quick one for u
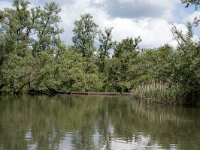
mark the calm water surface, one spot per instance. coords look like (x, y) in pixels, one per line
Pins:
(95, 123)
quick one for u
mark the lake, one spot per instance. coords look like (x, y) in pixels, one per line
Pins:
(95, 123)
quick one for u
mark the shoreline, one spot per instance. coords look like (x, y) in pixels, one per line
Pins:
(76, 93)
(138, 97)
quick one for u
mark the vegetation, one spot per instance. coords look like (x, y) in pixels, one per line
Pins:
(33, 57)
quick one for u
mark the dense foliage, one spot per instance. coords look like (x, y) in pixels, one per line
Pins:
(33, 57)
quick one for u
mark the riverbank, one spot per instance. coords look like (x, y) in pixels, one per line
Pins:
(160, 94)
(55, 92)
(165, 94)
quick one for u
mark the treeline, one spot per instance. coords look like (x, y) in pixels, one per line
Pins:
(33, 58)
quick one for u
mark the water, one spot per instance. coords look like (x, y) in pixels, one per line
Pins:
(95, 123)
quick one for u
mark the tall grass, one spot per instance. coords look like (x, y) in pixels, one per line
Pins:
(159, 92)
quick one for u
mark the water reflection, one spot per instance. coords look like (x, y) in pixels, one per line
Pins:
(89, 123)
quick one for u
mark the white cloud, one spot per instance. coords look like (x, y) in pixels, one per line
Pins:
(192, 16)
(140, 9)
(153, 31)
(4, 4)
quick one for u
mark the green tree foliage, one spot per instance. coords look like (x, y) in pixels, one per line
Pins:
(14, 29)
(18, 72)
(127, 45)
(156, 63)
(85, 31)
(25, 31)
(13, 35)
(46, 21)
(77, 74)
(32, 56)
(121, 69)
(191, 2)
(186, 63)
(195, 3)
(106, 44)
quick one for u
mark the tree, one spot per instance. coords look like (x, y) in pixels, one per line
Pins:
(196, 3)
(185, 66)
(46, 27)
(85, 31)
(120, 69)
(14, 33)
(26, 31)
(18, 72)
(14, 25)
(76, 73)
(106, 44)
(191, 2)
(128, 44)
(155, 63)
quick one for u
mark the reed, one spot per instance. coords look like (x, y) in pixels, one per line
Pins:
(159, 92)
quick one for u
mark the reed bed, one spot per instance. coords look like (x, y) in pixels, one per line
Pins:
(159, 92)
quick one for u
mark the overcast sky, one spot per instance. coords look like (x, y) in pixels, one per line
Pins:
(150, 19)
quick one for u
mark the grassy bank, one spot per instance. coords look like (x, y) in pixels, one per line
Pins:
(160, 93)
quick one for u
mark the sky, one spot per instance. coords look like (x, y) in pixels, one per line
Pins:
(152, 20)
